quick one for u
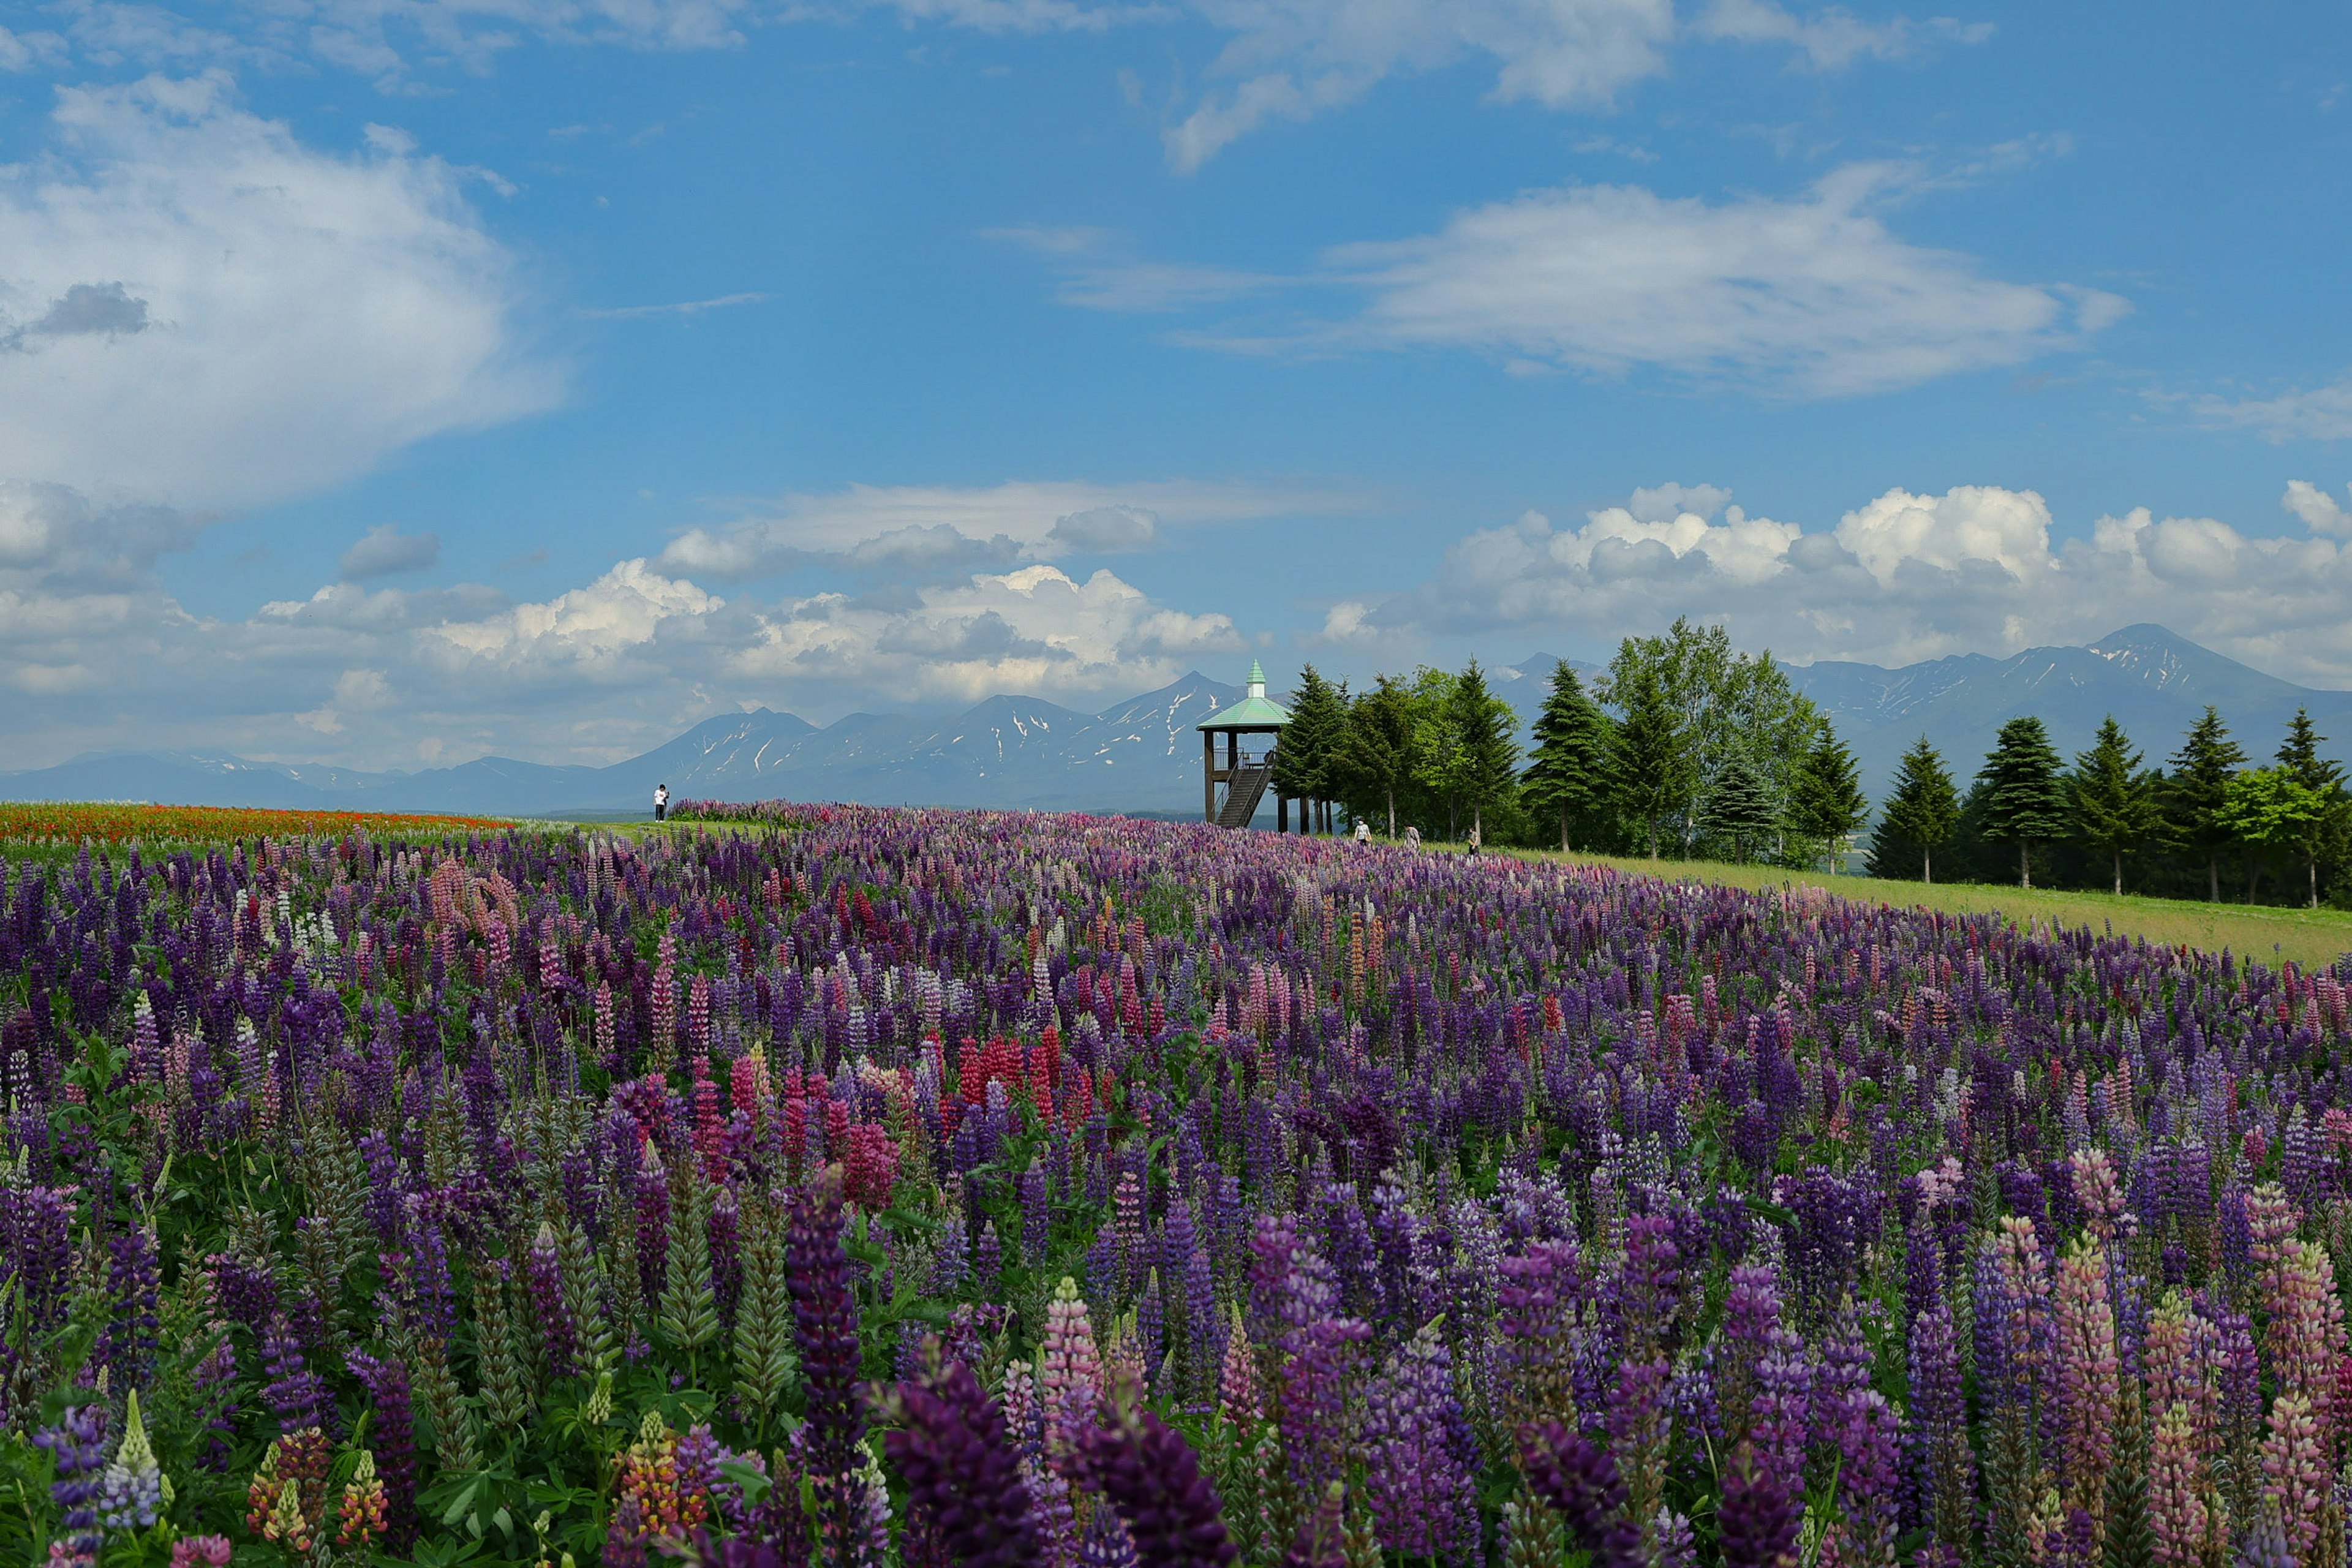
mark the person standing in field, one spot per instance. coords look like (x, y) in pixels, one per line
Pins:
(1474, 841)
(1363, 831)
(661, 802)
(1412, 837)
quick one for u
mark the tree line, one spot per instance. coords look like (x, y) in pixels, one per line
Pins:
(1688, 748)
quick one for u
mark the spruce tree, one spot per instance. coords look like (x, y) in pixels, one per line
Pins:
(1740, 806)
(2115, 806)
(1486, 754)
(1923, 810)
(1568, 776)
(1378, 750)
(1304, 758)
(1653, 773)
(2025, 796)
(2196, 792)
(1827, 803)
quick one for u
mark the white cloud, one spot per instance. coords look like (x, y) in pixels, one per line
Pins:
(953, 530)
(1814, 293)
(588, 630)
(2319, 510)
(1833, 37)
(1295, 58)
(1033, 630)
(1903, 577)
(684, 307)
(2321, 413)
(204, 310)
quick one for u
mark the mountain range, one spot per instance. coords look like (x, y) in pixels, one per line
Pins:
(1142, 756)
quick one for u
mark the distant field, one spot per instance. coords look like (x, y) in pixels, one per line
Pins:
(118, 822)
(2259, 932)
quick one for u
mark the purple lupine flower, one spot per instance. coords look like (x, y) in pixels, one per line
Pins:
(542, 1272)
(1581, 1482)
(392, 1436)
(295, 1394)
(1754, 1520)
(1751, 1311)
(1297, 1296)
(1152, 1476)
(127, 1346)
(825, 1327)
(1419, 1454)
(1943, 1467)
(1784, 1401)
(78, 1443)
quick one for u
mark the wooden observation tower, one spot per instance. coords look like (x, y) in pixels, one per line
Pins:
(1245, 774)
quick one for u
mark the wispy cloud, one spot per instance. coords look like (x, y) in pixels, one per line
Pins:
(1812, 295)
(683, 308)
(2317, 413)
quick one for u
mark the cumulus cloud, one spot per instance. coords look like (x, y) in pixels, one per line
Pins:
(383, 550)
(95, 654)
(1905, 576)
(949, 530)
(199, 307)
(2319, 510)
(1033, 630)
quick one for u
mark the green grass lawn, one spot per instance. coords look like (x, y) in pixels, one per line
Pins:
(2256, 931)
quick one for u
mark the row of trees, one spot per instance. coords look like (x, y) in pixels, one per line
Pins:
(2183, 825)
(1687, 747)
(1684, 744)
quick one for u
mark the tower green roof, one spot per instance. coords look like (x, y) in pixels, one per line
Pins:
(1254, 711)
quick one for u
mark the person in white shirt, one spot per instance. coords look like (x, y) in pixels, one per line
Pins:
(1363, 831)
(1412, 837)
(661, 802)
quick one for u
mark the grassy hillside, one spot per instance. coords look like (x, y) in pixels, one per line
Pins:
(2260, 932)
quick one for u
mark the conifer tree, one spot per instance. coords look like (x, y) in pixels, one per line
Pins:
(1740, 806)
(1305, 758)
(1922, 811)
(1377, 753)
(2025, 799)
(1487, 752)
(2196, 793)
(1653, 773)
(2115, 806)
(1827, 803)
(1568, 776)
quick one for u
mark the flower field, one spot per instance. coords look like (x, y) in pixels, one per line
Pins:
(51, 822)
(935, 1187)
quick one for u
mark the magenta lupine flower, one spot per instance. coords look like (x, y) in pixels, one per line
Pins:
(2179, 1515)
(2089, 1376)
(2296, 1471)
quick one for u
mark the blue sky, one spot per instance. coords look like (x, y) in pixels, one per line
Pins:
(393, 380)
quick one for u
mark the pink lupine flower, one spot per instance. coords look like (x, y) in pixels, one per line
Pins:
(2088, 1372)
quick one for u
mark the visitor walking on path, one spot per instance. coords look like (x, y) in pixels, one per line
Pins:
(661, 802)
(1474, 841)
(1363, 831)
